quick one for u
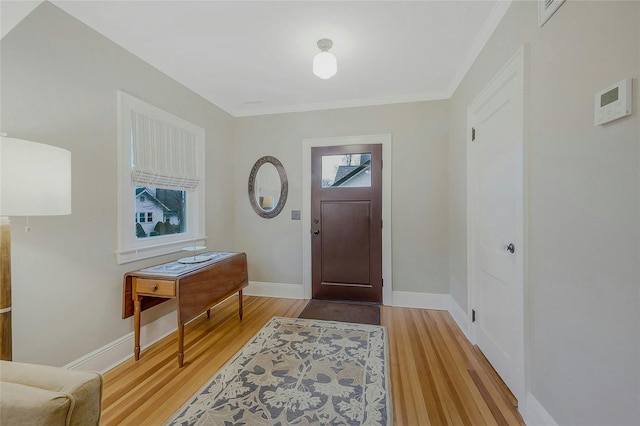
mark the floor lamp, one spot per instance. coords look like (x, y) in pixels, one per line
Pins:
(35, 180)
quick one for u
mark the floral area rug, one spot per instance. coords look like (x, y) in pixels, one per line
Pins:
(299, 372)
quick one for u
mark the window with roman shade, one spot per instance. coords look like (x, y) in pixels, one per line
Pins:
(160, 181)
(164, 155)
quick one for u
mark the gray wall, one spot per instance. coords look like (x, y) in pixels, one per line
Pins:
(59, 83)
(419, 188)
(583, 280)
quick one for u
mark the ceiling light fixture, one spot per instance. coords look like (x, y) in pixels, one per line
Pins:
(324, 63)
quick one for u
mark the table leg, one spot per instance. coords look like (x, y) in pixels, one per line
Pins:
(136, 326)
(240, 304)
(180, 345)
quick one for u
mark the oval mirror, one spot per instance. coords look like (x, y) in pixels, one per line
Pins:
(268, 187)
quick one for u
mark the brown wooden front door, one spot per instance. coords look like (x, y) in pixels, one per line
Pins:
(346, 223)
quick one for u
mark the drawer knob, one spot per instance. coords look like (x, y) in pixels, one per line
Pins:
(154, 287)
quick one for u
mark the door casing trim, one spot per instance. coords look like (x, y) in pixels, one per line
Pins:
(307, 144)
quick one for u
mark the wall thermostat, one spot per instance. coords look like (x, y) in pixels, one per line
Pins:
(613, 102)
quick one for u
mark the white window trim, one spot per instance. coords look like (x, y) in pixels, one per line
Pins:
(130, 248)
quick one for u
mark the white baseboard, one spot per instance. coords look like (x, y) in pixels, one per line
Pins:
(285, 291)
(105, 358)
(118, 351)
(536, 415)
(409, 299)
(460, 316)
(436, 301)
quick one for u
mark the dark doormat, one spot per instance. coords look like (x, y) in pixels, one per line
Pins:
(363, 313)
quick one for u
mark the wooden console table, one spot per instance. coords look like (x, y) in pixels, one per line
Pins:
(197, 288)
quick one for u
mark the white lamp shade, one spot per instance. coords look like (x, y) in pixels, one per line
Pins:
(325, 65)
(35, 179)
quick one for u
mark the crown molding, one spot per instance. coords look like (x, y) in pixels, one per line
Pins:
(347, 103)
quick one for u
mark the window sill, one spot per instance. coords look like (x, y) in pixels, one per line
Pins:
(149, 251)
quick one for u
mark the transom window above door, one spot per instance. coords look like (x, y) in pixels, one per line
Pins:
(346, 170)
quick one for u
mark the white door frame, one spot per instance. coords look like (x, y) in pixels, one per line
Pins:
(522, 309)
(307, 144)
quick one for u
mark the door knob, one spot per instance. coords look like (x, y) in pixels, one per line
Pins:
(510, 248)
(316, 231)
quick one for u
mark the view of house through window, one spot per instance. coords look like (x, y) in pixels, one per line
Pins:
(346, 170)
(159, 211)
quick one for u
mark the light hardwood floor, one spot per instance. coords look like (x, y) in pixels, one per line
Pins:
(437, 376)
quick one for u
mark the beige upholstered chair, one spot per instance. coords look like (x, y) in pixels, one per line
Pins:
(42, 395)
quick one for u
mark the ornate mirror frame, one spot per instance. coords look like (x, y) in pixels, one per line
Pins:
(284, 187)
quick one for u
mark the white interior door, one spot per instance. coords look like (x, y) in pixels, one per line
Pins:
(496, 237)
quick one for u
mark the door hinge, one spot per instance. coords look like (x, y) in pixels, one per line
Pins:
(473, 315)
(382, 282)
(473, 134)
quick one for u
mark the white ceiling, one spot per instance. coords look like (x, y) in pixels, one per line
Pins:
(254, 57)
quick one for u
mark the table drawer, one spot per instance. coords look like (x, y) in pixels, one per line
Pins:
(154, 287)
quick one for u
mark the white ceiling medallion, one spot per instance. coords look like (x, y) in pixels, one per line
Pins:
(324, 63)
